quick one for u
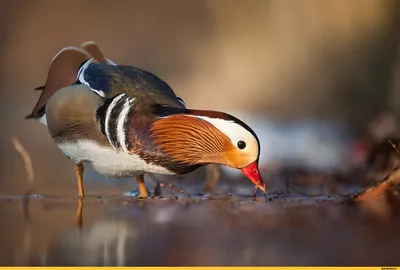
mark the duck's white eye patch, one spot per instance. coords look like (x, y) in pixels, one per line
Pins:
(239, 136)
(241, 145)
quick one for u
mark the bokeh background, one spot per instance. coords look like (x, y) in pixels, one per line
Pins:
(310, 77)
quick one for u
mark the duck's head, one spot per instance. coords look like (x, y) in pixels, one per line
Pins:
(204, 137)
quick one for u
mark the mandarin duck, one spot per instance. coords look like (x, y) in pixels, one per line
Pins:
(125, 122)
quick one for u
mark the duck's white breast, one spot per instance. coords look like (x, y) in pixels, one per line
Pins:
(108, 161)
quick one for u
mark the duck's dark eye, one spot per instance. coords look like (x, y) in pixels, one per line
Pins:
(241, 145)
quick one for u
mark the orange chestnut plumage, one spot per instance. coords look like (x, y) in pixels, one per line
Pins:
(190, 140)
(198, 138)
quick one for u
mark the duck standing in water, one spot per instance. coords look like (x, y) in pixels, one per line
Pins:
(125, 122)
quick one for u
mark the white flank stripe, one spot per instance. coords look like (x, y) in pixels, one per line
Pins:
(108, 114)
(81, 77)
(120, 124)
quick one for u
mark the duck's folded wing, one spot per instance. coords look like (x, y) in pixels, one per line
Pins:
(109, 81)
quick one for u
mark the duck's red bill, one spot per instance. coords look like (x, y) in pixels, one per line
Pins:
(252, 172)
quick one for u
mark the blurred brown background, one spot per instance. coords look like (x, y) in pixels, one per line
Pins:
(331, 60)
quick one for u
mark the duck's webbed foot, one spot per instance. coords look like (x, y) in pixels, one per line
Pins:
(141, 192)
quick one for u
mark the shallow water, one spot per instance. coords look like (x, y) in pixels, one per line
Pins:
(200, 230)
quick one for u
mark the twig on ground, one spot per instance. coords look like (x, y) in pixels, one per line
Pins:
(30, 174)
(375, 199)
(27, 161)
(394, 147)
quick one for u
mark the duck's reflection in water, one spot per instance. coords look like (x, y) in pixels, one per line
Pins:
(103, 243)
(143, 233)
(224, 232)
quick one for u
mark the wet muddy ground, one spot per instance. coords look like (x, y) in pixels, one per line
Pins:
(201, 229)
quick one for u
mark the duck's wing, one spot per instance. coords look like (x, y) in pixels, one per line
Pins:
(143, 88)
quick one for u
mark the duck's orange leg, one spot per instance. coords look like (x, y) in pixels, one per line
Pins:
(79, 178)
(142, 187)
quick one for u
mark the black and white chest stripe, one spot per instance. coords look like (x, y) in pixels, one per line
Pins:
(114, 118)
(114, 115)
